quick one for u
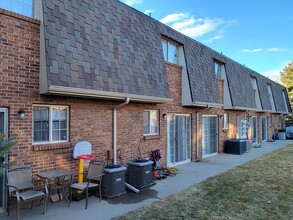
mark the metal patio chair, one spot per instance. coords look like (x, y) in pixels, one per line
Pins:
(20, 186)
(94, 180)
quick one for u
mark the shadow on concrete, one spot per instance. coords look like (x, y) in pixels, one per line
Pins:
(132, 197)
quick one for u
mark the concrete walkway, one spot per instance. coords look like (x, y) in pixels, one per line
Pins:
(189, 174)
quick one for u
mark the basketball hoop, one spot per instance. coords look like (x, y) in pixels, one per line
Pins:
(86, 157)
(82, 151)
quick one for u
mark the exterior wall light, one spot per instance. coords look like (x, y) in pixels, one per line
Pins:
(164, 116)
(21, 113)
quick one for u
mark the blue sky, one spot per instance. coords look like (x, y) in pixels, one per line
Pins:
(256, 33)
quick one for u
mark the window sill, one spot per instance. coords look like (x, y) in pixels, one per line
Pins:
(151, 137)
(54, 146)
(224, 129)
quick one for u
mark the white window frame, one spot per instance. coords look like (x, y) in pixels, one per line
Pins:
(150, 122)
(166, 58)
(51, 125)
(225, 121)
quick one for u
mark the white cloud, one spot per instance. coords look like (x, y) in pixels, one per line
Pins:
(273, 50)
(273, 75)
(174, 18)
(183, 24)
(276, 49)
(188, 25)
(133, 2)
(212, 39)
(148, 12)
(252, 51)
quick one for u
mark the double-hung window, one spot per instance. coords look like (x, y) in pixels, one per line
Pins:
(50, 124)
(170, 50)
(219, 67)
(150, 122)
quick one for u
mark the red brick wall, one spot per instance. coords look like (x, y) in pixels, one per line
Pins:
(221, 89)
(90, 119)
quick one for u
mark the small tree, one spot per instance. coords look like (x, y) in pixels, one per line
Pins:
(286, 77)
(5, 145)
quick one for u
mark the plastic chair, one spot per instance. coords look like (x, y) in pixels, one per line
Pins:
(20, 186)
(94, 180)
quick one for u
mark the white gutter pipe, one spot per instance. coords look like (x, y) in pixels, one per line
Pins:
(115, 128)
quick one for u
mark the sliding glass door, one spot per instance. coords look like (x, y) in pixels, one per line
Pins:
(264, 131)
(209, 135)
(178, 138)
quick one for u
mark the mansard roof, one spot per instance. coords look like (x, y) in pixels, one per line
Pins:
(105, 48)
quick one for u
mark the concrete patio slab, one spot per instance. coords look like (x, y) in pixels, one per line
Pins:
(189, 174)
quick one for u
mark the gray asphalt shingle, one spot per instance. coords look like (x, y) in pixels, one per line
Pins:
(105, 45)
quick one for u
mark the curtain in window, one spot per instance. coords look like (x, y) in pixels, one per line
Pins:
(146, 119)
(59, 123)
(150, 122)
(41, 123)
(154, 122)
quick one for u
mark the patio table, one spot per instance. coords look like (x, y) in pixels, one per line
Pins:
(60, 180)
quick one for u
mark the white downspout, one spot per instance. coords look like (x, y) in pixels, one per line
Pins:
(115, 129)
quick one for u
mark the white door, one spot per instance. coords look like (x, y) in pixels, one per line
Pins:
(178, 138)
(3, 130)
(264, 132)
(209, 135)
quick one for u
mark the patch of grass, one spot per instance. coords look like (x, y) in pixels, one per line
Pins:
(259, 189)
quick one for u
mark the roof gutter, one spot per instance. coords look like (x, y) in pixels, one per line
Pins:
(99, 94)
(115, 128)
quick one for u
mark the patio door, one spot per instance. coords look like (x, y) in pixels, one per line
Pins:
(178, 139)
(254, 133)
(209, 135)
(264, 132)
(3, 130)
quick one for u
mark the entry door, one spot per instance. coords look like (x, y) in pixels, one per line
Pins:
(264, 132)
(209, 136)
(178, 137)
(3, 130)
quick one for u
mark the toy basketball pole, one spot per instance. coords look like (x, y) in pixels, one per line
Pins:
(80, 171)
(82, 151)
(80, 165)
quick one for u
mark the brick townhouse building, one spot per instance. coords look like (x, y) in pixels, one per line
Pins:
(103, 72)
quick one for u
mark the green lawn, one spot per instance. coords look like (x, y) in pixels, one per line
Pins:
(259, 189)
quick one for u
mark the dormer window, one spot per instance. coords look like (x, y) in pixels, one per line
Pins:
(23, 7)
(285, 100)
(170, 50)
(254, 87)
(219, 68)
(271, 97)
(255, 92)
